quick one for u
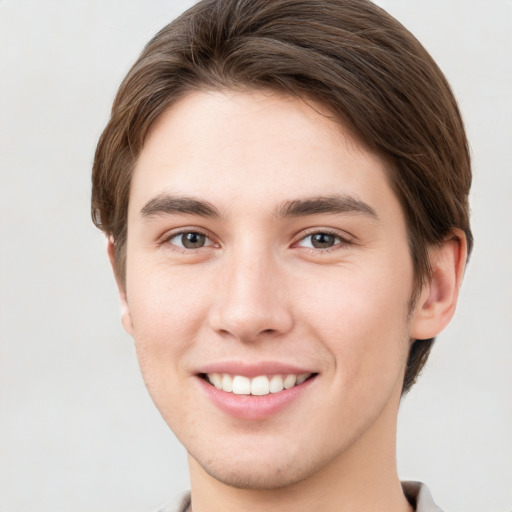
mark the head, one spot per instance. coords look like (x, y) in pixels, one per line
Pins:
(351, 57)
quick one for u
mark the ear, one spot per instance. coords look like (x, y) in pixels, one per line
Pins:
(126, 319)
(438, 297)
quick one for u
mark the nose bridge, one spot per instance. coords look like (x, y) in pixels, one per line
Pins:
(251, 295)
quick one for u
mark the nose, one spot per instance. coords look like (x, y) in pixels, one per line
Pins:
(252, 301)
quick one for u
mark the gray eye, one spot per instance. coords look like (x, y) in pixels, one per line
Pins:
(189, 240)
(323, 240)
(193, 240)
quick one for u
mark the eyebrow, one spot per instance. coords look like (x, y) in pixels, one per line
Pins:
(168, 204)
(325, 204)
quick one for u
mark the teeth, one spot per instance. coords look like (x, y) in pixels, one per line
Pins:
(276, 384)
(261, 385)
(302, 377)
(216, 380)
(226, 383)
(241, 385)
(289, 381)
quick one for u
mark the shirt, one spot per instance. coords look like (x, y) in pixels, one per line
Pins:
(416, 493)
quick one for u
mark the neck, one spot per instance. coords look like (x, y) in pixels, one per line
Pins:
(363, 478)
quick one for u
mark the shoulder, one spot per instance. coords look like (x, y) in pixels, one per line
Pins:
(419, 497)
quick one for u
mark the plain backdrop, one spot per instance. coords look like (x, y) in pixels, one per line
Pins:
(77, 429)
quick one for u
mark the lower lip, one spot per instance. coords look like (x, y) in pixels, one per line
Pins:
(253, 407)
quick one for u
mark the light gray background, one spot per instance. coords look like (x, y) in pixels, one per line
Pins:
(77, 430)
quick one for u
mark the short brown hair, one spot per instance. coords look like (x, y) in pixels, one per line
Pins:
(349, 55)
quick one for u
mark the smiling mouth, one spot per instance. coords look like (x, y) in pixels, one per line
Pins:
(259, 385)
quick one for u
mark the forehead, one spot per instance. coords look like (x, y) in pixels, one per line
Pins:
(243, 148)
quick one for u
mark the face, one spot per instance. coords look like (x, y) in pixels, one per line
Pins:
(267, 287)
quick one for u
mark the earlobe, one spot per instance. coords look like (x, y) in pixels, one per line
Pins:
(125, 310)
(438, 298)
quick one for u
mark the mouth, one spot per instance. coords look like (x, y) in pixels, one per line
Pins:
(259, 385)
(255, 391)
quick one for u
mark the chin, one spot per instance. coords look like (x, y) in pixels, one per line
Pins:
(258, 477)
(265, 466)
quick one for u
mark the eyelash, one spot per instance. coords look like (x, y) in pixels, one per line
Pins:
(167, 239)
(340, 241)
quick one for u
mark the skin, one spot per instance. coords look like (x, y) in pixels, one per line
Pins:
(259, 290)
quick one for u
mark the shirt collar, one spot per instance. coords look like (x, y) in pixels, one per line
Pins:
(417, 494)
(419, 497)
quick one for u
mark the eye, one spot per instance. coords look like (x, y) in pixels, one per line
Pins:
(320, 240)
(190, 240)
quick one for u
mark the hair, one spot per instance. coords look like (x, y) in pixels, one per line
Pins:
(350, 56)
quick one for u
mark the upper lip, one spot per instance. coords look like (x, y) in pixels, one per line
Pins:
(253, 369)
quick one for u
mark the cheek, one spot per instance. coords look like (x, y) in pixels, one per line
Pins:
(167, 314)
(164, 301)
(167, 310)
(362, 320)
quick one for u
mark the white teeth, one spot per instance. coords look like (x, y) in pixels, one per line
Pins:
(260, 385)
(216, 380)
(302, 377)
(241, 385)
(276, 384)
(289, 381)
(227, 383)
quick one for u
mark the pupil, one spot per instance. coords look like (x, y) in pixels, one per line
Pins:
(193, 240)
(322, 240)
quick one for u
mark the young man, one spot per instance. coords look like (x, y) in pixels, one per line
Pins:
(284, 188)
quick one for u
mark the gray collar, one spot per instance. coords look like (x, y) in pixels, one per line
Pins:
(417, 493)
(419, 497)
